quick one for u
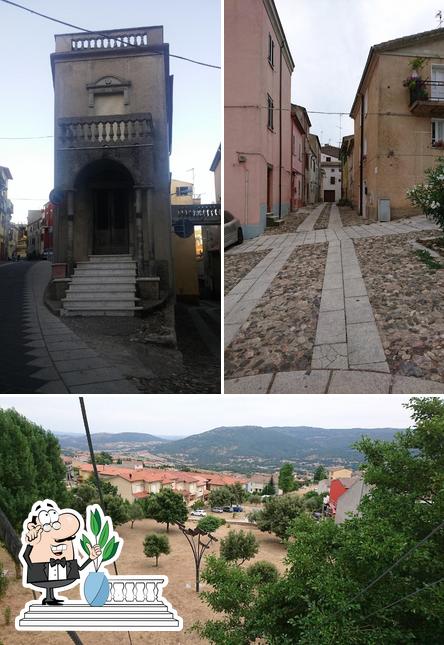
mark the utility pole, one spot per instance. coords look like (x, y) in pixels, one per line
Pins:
(440, 19)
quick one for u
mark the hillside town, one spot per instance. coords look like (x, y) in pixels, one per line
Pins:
(356, 223)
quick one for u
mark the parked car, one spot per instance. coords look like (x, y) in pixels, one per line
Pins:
(198, 513)
(217, 509)
(227, 509)
(233, 233)
(236, 509)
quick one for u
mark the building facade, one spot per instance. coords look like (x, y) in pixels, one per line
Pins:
(6, 210)
(346, 154)
(257, 157)
(34, 234)
(113, 130)
(331, 174)
(398, 122)
(300, 128)
(313, 176)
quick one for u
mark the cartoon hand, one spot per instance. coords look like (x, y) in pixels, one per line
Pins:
(95, 551)
(33, 534)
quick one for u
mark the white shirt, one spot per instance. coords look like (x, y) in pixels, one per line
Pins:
(57, 572)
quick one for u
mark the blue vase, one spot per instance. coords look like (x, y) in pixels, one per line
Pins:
(96, 588)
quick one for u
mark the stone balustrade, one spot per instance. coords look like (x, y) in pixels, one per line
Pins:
(111, 41)
(115, 130)
(135, 589)
(197, 214)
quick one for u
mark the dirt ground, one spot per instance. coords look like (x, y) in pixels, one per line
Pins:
(178, 566)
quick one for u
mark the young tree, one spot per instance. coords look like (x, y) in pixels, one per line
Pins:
(199, 503)
(278, 513)
(270, 488)
(238, 493)
(219, 497)
(325, 595)
(238, 546)
(319, 473)
(210, 523)
(154, 545)
(166, 507)
(135, 512)
(286, 478)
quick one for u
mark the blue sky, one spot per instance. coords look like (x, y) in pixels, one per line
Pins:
(170, 414)
(192, 29)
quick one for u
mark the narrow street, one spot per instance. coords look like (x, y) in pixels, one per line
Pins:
(307, 318)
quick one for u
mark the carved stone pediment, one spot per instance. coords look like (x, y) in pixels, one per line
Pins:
(108, 85)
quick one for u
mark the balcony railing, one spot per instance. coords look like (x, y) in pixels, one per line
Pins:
(426, 97)
(114, 40)
(118, 130)
(197, 214)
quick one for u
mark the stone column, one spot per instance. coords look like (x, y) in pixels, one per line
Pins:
(150, 222)
(70, 232)
(139, 232)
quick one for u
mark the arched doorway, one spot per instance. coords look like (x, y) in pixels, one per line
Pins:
(105, 186)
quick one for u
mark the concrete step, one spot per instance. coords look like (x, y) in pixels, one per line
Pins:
(110, 286)
(104, 272)
(110, 258)
(103, 280)
(100, 312)
(128, 264)
(102, 303)
(98, 296)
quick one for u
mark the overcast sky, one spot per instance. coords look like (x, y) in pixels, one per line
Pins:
(192, 29)
(184, 415)
(330, 41)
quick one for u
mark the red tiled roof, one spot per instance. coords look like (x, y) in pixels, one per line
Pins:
(142, 493)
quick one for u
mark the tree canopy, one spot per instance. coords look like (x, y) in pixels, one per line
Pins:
(166, 507)
(319, 473)
(322, 598)
(270, 488)
(30, 467)
(210, 523)
(154, 545)
(239, 546)
(277, 514)
(286, 478)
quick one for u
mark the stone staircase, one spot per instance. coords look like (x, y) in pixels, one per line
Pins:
(103, 286)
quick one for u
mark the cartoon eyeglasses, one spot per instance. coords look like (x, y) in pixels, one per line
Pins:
(49, 520)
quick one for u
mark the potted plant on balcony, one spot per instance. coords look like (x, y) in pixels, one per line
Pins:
(438, 143)
(96, 586)
(414, 82)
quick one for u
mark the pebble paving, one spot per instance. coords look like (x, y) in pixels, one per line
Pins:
(237, 266)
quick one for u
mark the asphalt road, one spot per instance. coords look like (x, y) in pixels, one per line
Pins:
(15, 371)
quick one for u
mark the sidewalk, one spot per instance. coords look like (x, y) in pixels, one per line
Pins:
(348, 355)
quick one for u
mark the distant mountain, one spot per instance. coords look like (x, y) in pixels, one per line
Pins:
(241, 446)
(119, 441)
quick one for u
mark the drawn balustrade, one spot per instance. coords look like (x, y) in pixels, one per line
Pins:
(135, 590)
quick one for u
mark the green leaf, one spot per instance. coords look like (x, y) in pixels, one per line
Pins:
(84, 541)
(98, 517)
(104, 535)
(110, 550)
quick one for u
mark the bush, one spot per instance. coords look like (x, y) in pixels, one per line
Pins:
(210, 523)
(430, 195)
(154, 545)
(264, 571)
(255, 498)
(238, 546)
(199, 503)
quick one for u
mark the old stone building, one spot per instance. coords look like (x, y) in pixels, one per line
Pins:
(113, 129)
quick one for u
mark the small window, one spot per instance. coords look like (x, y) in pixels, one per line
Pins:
(183, 190)
(270, 50)
(270, 112)
(438, 133)
(328, 158)
(300, 152)
(332, 180)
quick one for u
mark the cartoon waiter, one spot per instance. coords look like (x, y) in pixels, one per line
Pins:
(48, 549)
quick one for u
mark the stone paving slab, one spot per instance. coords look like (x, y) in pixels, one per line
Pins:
(409, 385)
(332, 356)
(358, 310)
(359, 383)
(316, 382)
(258, 384)
(331, 327)
(364, 344)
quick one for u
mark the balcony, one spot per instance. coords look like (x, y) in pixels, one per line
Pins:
(196, 214)
(427, 98)
(105, 131)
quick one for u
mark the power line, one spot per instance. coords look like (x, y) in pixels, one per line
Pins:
(48, 136)
(88, 31)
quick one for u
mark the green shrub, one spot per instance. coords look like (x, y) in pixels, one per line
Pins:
(264, 571)
(210, 523)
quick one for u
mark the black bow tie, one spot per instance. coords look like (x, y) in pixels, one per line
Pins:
(53, 562)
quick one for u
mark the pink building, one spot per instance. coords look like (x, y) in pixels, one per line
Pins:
(300, 128)
(258, 68)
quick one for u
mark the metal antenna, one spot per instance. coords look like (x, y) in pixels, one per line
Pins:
(439, 16)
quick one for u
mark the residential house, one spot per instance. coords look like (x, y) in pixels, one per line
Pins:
(258, 69)
(186, 251)
(313, 178)
(47, 227)
(330, 173)
(256, 483)
(300, 124)
(347, 503)
(34, 234)
(113, 133)
(346, 156)
(335, 472)
(338, 487)
(398, 117)
(6, 210)
(216, 169)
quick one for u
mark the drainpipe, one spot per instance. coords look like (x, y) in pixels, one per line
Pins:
(280, 130)
(361, 164)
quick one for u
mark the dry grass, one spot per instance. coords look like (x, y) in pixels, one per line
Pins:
(178, 566)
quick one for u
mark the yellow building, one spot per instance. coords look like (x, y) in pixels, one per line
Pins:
(338, 472)
(187, 251)
(399, 122)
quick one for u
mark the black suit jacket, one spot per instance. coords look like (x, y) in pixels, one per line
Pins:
(38, 571)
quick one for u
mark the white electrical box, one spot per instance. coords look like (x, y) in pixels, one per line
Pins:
(384, 210)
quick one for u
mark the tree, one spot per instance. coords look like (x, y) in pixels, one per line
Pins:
(219, 497)
(166, 507)
(31, 467)
(154, 545)
(199, 503)
(312, 501)
(86, 494)
(286, 478)
(324, 596)
(264, 571)
(270, 488)
(102, 458)
(239, 546)
(210, 523)
(135, 512)
(238, 493)
(278, 513)
(319, 473)
(429, 197)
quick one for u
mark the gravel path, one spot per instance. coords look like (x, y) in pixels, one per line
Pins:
(237, 266)
(323, 219)
(290, 224)
(279, 334)
(407, 301)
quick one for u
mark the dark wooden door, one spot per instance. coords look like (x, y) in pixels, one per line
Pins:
(110, 221)
(329, 195)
